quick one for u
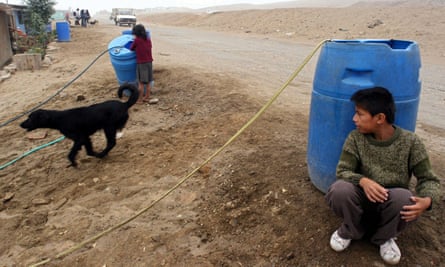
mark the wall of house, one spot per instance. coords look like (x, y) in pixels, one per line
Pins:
(5, 42)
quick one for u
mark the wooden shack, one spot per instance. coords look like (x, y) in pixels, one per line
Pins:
(6, 22)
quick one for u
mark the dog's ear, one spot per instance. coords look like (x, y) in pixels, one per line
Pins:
(36, 114)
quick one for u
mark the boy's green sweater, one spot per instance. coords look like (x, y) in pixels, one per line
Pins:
(390, 163)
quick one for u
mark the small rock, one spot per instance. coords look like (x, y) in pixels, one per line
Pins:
(290, 256)
(229, 205)
(51, 48)
(205, 170)
(60, 203)
(47, 60)
(375, 23)
(40, 201)
(37, 135)
(8, 196)
(80, 98)
(11, 68)
(5, 75)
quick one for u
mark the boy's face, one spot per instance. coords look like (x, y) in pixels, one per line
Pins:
(364, 121)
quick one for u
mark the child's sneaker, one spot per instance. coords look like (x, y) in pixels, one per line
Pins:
(337, 243)
(390, 252)
(152, 101)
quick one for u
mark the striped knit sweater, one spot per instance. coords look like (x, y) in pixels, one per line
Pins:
(391, 163)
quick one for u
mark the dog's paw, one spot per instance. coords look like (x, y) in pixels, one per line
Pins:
(92, 153)
(73, 164)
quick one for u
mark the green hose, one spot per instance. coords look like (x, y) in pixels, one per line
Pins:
(32, 151)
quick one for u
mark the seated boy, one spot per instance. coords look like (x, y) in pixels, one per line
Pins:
(372, 193)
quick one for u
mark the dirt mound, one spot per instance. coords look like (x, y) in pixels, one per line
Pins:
(311, 25)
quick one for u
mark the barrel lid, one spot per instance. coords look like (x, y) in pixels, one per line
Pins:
(390, 43)
(130, 32)
(120, 47)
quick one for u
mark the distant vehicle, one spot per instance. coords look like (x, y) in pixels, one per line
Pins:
(122, 16)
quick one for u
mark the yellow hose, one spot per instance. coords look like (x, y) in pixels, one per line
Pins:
(185, 178)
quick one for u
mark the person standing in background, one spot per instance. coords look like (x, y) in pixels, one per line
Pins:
(87, 17)
(67, 17)
(83, 18)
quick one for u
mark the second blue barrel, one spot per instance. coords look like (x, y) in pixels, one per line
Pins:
(123, 59)
(63, 31)
(343, 67)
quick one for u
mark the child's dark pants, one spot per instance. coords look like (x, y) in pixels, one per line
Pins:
(381, 221)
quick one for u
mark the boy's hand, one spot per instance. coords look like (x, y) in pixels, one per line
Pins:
(374, 191)
(412, 212)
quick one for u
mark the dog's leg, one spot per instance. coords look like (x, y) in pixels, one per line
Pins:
(74, 150)
(110, 134)
(89, 147)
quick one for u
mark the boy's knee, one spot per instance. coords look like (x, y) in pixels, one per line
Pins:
(341, 187)
(401, 196)
(340, 190)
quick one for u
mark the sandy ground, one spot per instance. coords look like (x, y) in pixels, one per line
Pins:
(252, 205)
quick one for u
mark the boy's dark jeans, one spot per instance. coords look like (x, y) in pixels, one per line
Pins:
(381, 221)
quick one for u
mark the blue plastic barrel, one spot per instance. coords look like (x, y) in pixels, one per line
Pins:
(123, 59)
(63, 31)
(130, 32)
(343, 67)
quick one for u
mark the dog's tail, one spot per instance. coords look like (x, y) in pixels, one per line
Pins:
(134, 93)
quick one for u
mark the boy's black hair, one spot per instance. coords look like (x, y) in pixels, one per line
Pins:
(139, 31)
(376, 100)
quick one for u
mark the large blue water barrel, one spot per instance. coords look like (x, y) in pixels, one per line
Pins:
(63, 31)
(123, 59)
(343, 67)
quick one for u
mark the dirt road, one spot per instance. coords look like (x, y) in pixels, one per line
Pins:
(253, 205)
(267, 63)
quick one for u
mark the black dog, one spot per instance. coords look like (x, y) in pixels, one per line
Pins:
(78, 124)
(93, 22)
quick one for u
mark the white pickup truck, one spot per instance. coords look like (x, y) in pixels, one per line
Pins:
(123, 16)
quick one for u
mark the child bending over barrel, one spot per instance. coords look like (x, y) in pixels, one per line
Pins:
(144, 59)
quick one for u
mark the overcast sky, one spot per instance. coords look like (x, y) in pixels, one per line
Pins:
(96, 5)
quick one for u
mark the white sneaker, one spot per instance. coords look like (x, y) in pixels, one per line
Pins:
(390, 252)
(339, 244)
